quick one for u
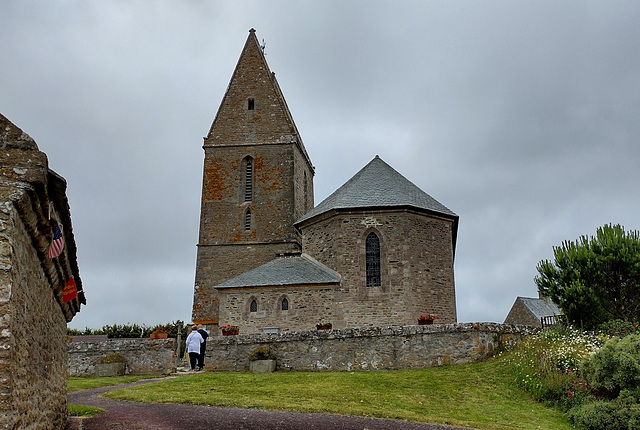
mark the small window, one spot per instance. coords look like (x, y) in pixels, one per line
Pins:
(306, 192)
(248, 180)
(285, 304)
(247, 220)
(372, 246)
(251, 104)
(253, 307)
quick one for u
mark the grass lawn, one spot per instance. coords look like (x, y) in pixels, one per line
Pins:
(78, 384)
(83, 411)
(478, 395)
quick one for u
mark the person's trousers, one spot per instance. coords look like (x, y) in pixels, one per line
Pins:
(193, 359)
(201, 357)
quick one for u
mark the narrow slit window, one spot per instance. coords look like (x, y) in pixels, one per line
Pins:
(306, 192)
(372, 247)
(251, 104)
(285, 304)
(253, 307)
(247, 220)
(248, 180)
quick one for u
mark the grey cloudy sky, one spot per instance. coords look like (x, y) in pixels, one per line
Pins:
(523, 117)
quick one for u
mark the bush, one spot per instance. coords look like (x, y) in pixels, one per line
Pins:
(546, 365)
(619, 328)
(622, 413)
(115, 357)
(261, 353)
(121, 331)
(615, 367)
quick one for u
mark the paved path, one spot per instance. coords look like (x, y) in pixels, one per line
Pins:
(163, 416)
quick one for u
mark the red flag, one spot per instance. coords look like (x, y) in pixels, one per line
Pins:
(57, 244)
(70, 292)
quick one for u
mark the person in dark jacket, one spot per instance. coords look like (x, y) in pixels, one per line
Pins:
(203, 346)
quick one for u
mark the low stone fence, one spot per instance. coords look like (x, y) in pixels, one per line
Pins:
(376, 348)
(142, 356)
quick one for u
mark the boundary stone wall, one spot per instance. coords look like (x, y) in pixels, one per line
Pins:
(33, 315)
(143, 356)
(372, 348)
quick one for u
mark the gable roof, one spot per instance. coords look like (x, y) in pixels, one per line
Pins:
(378, 185)
(539, 308)
(297, 270)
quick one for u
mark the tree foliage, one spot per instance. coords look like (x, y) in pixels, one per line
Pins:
(119, 331)
(595, 279)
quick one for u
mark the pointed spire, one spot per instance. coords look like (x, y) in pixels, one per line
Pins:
(253, 109)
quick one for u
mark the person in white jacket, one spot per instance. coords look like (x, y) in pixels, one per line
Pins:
(193, 346)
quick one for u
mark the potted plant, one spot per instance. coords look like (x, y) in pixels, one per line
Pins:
(262, 360)
(230, 330)
(159, 333)
(111, 365)
(426, 319)
(324, 326)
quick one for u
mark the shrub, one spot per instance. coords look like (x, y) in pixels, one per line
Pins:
(619, 328)
(120, 331)
(261, 353)
(622, 413)
(615, 367)
(115, 357)
(545, 365)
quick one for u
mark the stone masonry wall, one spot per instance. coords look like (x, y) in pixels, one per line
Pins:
(226, 249)
(376, 348)
(416, 266)
(33, 387)
(33, 316)
(308, 305)
(519, 314)
(143, 356)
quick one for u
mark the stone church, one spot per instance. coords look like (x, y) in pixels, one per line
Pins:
(379, 251)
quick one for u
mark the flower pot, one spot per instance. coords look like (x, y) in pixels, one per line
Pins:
(262, 366)
(323, 328)
(158, 335)
(425, 322)
(230, 333)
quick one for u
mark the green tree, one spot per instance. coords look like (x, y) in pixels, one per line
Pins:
(596, 279)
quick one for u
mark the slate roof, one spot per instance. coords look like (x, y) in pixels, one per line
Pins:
(539, 308)
(378, 185)
(300, 269)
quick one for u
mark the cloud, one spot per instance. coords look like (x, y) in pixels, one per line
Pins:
(519, 117)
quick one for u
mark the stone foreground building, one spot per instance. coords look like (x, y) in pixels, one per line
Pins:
(377, 252)
(33, 315)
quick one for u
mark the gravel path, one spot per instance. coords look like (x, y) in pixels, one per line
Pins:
(163, 416)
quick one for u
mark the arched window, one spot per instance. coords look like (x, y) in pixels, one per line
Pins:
(253, 307)
(285, 304)
(248, 179)
(247, 220)
(372, 247)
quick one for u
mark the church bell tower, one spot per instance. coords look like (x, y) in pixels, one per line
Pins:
(257, 181)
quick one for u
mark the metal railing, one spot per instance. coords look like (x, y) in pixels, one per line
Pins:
(552, 321)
